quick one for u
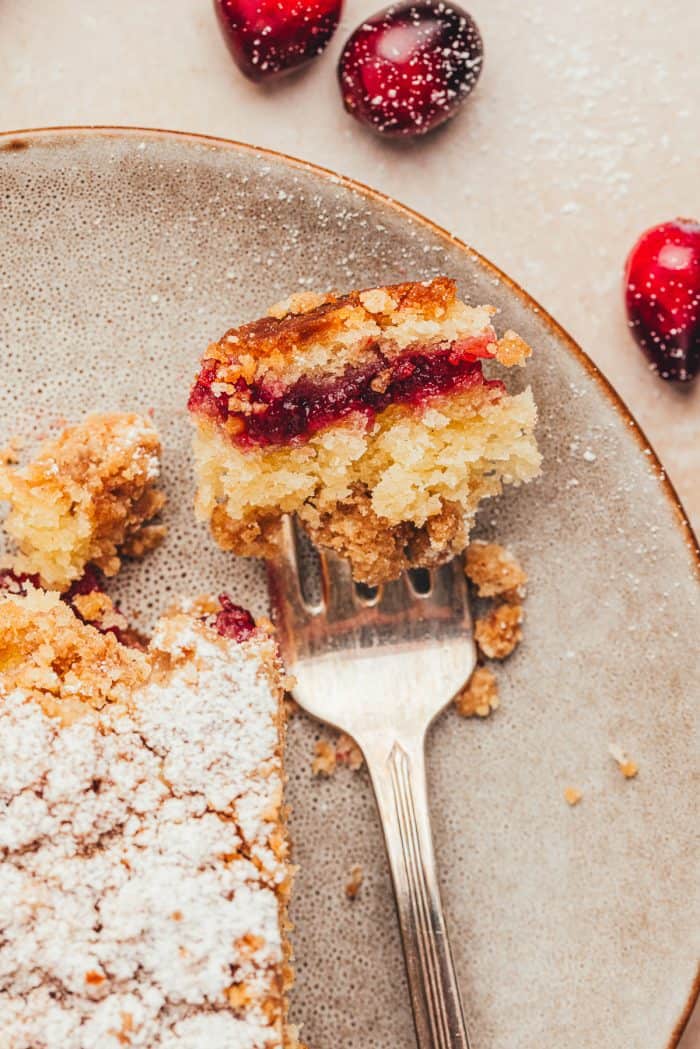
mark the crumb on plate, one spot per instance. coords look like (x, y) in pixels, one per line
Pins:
(348, 753)
(498, 633)
(354, 884)
(494, 570)
(480, 695)
(325, 760)
(572, 796)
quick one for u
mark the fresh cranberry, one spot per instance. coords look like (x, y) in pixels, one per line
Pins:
(271, 37)
(233, 621)
(662, 295)
(408, 68)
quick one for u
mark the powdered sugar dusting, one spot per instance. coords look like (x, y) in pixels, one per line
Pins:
(138, 882)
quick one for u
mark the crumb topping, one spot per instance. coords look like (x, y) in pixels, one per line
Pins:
(480, 696)
(65, 665)
(499, 632)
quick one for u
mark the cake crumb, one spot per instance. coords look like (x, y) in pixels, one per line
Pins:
(572, 796)
(494, 570)
(480, 695)
(325, 760)
(348, 753)
(354, 884)
(512, 350)
(302, 302)
(628, 768)
(498, 633)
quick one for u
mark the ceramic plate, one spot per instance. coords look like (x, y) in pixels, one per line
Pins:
(122, 254)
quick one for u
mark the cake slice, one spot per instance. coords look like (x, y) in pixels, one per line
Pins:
(145, 876)
(368, 415)
(86, 498)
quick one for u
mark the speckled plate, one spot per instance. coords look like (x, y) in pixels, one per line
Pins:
(122, 254)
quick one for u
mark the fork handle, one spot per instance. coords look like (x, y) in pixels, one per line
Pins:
(398, 777)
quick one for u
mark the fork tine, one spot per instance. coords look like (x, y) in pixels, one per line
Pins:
(396, 596)
(449, 588)
(284, 587)
(337, 586)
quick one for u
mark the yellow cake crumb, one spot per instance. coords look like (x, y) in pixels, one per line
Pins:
(325, 760)
(348, 753)
(494, 570)
(498, 633)
(572, 796)
(480, 696)
(354, 883)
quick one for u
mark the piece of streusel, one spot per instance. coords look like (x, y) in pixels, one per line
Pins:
(325, 761)
(480, 695)
(142, 825)
(498, 633)
(86, 498)
(494, 570)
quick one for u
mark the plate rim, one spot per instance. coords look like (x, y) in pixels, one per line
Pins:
(23, 138)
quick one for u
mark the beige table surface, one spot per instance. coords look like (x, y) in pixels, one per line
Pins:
(582, 132)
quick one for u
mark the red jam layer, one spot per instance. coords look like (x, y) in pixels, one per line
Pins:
(308, 405)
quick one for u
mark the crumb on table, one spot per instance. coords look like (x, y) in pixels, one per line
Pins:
(325, 760)
(355, 882)
(480, 695)
(572, 796)
(498, 633)
(628, 768)
(494, 570)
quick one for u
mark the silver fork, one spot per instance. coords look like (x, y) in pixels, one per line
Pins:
(380, 666)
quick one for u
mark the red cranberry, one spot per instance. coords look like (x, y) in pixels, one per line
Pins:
(233, 621)
(662, 295)
(408, 68)
(270, 37)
